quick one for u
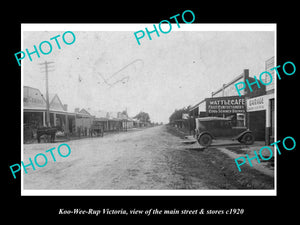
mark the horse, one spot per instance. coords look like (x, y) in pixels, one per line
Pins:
(48, 131)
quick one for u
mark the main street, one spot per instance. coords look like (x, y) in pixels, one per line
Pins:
(150, 158)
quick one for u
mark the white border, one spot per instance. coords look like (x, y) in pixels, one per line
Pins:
(275, 113)
(234, 192)
(137, 27)
(141, 26)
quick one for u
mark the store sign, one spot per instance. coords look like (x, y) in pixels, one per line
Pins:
(185, 116)
(34, 101)
(32, 98)
(230, 104)
(256, 104)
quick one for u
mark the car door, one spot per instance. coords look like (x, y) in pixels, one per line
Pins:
(226, 129)
(221, 129)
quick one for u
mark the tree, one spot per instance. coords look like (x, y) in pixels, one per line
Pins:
(143, 117)
(177, 114)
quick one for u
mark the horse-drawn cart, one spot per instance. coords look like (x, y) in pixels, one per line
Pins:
(96, 130)
(48, 132)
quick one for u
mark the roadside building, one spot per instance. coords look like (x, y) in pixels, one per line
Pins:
(126, 121)
(255, 121)
(34, 107)
(111, 121)
(100, 120)
(114, 123)
(58, 113)
(83, 122)
(225, 102)
(263, 106)
(270, 96)
(138, 123)
(79, 122)
(34, 113)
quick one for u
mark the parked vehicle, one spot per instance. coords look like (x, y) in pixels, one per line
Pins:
(96, 129)
(209, 128)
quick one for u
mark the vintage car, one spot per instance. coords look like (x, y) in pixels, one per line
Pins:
(209, 128)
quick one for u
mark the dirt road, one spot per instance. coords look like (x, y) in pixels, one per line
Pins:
(151, 158)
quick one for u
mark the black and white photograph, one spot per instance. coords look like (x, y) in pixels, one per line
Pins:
(129, 109)
(146, 111)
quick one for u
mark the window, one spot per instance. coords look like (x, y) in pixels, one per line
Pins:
(240, 120)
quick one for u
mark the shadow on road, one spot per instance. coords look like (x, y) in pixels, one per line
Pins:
(199, 149)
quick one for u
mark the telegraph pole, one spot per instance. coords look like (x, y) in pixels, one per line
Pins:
(47, 93)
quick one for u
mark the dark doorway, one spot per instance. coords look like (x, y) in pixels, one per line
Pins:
(257, 124)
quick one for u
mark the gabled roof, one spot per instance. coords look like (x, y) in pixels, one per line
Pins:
(98, 114)
(55, 103)
(83, 111)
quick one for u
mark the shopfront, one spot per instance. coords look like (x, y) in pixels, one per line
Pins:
(57, 112)
(270, 109)
(233, 107)
(261, 117)
(34, 113)
(270, 125)
(34, 106)
(256, 109)
(255, 119)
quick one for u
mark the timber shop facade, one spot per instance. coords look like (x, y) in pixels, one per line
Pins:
(35, 109)
(255, 110)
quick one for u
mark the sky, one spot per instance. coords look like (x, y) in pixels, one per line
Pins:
(109, 71)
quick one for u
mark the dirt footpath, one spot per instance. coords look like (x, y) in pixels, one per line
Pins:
(221, 168)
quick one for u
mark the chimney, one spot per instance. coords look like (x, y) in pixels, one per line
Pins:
(76, 110)
(246, 74)
(246, 77)
(65, 107)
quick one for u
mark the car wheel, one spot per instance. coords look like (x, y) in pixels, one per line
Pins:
(205, 140)
(248, 139)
